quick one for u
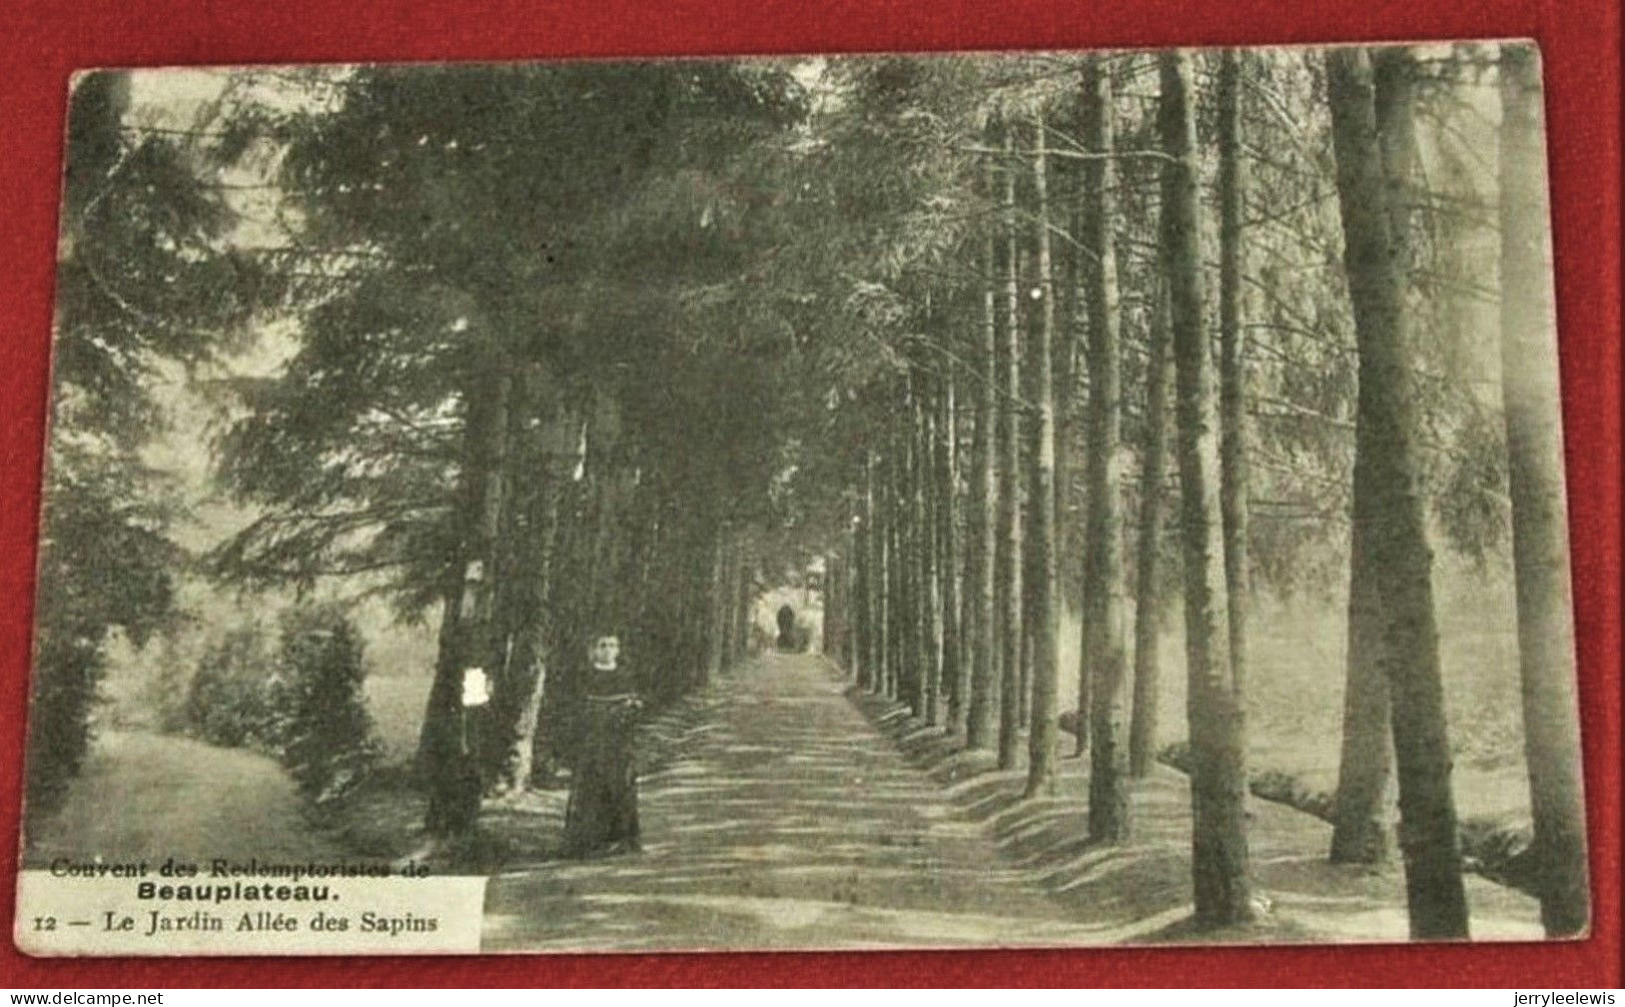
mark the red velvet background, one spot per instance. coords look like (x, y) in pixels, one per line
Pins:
(44, 40)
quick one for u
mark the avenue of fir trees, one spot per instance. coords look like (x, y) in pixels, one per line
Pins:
(1117, 341)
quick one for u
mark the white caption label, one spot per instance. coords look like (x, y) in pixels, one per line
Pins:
(151, 914)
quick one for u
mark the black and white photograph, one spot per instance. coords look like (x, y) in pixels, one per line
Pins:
(983, 500)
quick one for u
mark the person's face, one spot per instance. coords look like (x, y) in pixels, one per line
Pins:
(606, 651)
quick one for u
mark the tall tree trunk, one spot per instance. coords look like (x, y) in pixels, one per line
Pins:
(830, 600)
(1219, 860)
(717, 634)
(955, 670)
(1069, 337)
(840, 635)
(1385, 439)
(521, 562)
(746, 610)
(722, 599)
(554, 445)
(937, 648)
(857, 647)
(1362, 825)
(1010, 481)
(721, 606)
(1142, 736)
(982, 712)
(838, 574)
(897, 640)
(728, 596)
(695, 626)
(1103, 657)
(829, 604)
(874, 647)
(1043, 734)
(452, 734)
(491, 645)
(860, 644)
(912, 638)
(1024, 710)
(437, 752)
(560, 722)
(884, 561)
(1029, 455)
(1084, 404)
(512, 570)
(854, 608)
(911, 635)
(1360, 828)
(617, 514)
(1232, 359)
(922, 519)
(515, 572)
(968, 530)
(1529, 382)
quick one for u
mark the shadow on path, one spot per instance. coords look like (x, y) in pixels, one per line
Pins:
(788, 821)
(1148, 878)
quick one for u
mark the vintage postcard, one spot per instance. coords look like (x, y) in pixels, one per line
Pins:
(954, 501)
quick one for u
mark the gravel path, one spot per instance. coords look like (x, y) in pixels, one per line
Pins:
(786, 821)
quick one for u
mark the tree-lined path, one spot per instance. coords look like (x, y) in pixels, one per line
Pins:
(1199, 405)
(787, 821)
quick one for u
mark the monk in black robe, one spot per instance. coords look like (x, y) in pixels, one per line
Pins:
(787, 628)
(601, 817)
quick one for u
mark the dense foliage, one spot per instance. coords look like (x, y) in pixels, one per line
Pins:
(238, 695)
(328, 743)
(146, 281)
(298, 698)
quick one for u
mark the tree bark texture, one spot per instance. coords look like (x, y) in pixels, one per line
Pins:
(450, 745)
(1385, 439)
(1043, 733)
(1103, 658)
(1214, 706)
(1362, 830)
(1010, 553)
(955, 670)
(1539, 524)
(1142, 738)
(982, 713)
(1233, 358)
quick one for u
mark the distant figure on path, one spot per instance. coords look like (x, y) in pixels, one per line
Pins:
(787, 628)
(601, 817)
